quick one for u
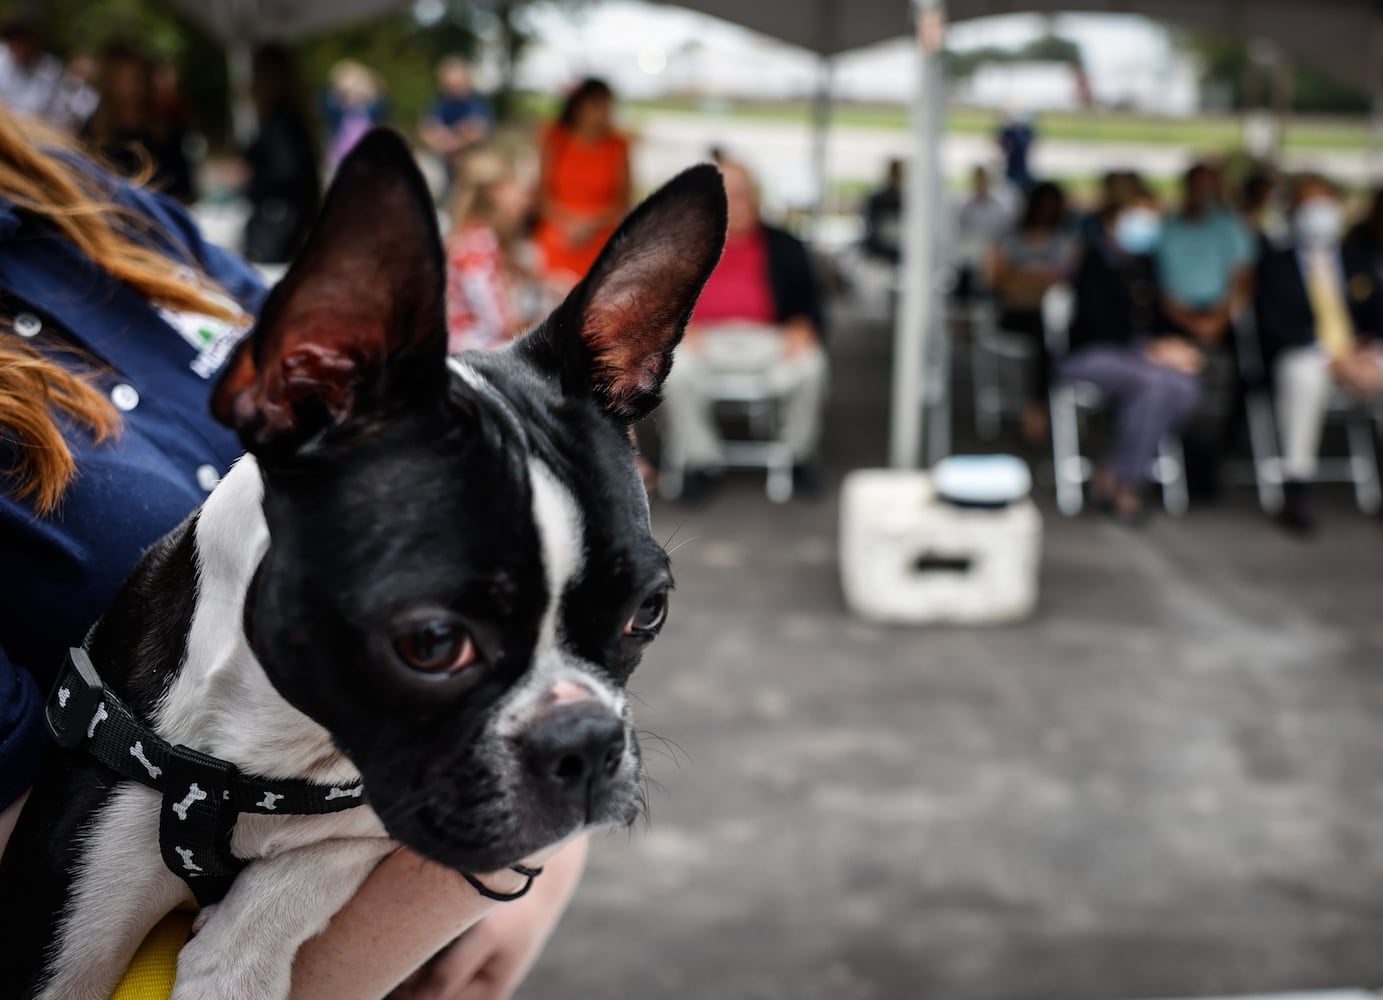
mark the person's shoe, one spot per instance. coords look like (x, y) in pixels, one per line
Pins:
(1036, 425)
(806, 482)
(1128, 508)
(1297, 515)
(698, 486)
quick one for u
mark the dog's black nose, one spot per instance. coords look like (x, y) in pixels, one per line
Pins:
(576, 748)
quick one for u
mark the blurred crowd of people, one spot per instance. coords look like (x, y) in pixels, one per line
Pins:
(525, 213)
(1169, 295)
(123, 104)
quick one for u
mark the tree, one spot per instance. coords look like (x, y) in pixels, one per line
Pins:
(1236, 79)
(1048, 47)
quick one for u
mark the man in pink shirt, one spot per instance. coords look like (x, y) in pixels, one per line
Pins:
(760, 312)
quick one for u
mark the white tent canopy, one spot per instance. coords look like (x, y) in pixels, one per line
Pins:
(1339, 36)
(1342, 37)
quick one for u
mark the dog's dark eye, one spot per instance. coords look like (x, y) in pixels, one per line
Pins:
(436, 647)
(650, 616)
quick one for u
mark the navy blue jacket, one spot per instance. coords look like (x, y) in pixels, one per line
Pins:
(791, 279)
(1282, 307)
(58, 573)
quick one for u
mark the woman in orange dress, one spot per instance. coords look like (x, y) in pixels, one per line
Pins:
(584, 190)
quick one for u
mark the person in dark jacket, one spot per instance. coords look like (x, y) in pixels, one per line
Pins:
(127, 133)
(284, 186)
(760, 311)
(1319, 316)
(883, 217)
(1119, 343)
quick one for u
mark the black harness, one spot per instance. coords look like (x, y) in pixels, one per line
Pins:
(203, 796)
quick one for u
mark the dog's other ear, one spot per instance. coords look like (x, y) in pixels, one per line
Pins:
(613, 336)
(356, 329)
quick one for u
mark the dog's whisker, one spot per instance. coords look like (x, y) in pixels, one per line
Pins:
(685, 541)
(666, 747)
(680, 525)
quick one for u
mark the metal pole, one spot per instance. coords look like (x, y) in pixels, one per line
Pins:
(821, 134)
(918, 266)
(1375, 159)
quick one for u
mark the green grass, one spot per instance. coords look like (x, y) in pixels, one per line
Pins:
(1206, 133)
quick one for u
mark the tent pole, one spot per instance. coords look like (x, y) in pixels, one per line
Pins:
(821, 134)
(918, 266)
(1375, 158)
(239, 62)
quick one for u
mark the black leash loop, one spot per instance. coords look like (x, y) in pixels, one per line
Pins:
(505, 897)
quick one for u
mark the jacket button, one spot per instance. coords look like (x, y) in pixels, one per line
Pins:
(124, 396)
(208, 477)
(27, 325)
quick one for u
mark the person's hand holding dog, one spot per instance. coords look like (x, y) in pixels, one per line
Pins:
(491, 959)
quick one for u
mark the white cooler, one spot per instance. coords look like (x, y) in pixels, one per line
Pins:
(909, 557)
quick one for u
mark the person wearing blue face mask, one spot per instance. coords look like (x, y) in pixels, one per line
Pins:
(1119, 343)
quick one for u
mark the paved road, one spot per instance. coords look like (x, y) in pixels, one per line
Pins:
(1166, 785)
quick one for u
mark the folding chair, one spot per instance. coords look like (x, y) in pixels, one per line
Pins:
(757, 395)
(1072, 401)
(1359, 468)
(999, 360)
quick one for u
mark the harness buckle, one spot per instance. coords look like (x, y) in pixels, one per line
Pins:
(75, 701)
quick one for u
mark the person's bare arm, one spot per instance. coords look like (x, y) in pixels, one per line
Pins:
(799, 335)
(495, 956)
(437, 137)
(408, 910)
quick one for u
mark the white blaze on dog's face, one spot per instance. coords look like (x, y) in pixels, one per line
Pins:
(460, 576)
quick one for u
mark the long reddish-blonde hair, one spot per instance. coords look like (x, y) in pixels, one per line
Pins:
(40, 175)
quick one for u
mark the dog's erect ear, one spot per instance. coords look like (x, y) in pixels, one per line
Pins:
(356, 329)
(613, 336)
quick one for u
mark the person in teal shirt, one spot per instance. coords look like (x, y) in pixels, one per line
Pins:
(1204, 261)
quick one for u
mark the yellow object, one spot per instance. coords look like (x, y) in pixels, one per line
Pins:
(155, 966)
(1334, 329)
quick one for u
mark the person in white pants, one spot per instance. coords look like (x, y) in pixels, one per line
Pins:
(759, 314)
(1319, 313)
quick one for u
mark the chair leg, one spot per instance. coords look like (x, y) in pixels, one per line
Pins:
(1171, 473)
(986, 390)
(779, 484)
(672, 470)
(1066, 457)
(1263, 444)
(1363, 464)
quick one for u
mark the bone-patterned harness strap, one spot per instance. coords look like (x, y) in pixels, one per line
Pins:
(202, 795)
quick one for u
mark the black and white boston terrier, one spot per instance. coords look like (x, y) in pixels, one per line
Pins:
(428, 578)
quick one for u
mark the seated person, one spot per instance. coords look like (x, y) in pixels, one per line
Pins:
(883, 211)
(1204, 261)
(1026, 262)
(981, 219)
(1319, 312)
(762, 290)
(1120, 344)
(491, 295)
(1204, 267)
(458, 119)
(1116, 187)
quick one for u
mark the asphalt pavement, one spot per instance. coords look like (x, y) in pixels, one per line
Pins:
(1169, 783)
